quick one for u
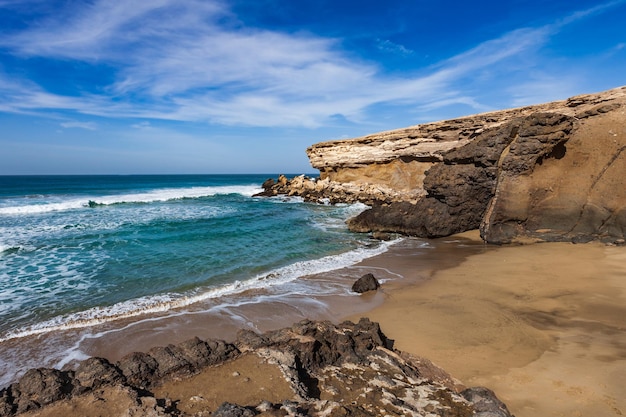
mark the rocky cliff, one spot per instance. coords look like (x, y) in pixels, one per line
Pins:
(550, 172)
(310, 369)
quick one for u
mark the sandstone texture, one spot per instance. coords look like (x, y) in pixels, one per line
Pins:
(549, 172)
(310, 369)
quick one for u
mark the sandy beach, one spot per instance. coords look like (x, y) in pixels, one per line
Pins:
(542, 325)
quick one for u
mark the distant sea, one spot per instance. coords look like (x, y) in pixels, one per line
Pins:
(76, 251)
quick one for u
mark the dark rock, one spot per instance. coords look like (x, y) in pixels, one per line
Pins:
(458, 191)
(353, 364)
(144, 369)
(139, 368)
(170, 360)
(221, 351)
(268, 183)
(428, 218)
(602, 108)
(7, 402)
(247, 339)
(539, 134)
(366, 283)
(232, 410)
(38, 387)
(485, 402)
(95, 372)
(196, 352)
(322, 345)
(199, 353)
(268, 189)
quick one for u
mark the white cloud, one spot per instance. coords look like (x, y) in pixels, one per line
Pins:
(105, 30)
(193, 61)
(386, 45)
(142, 125)
(80, 125)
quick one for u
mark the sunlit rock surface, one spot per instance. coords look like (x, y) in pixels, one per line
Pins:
(550, 172)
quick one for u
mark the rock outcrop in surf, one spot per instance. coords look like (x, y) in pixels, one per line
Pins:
(550, 172)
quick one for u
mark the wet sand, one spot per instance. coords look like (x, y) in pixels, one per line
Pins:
(542, 325)
(261, 312)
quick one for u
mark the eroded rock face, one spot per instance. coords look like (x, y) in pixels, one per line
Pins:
(551, 172)
(460, 189)
(333, 370)
(575, 192)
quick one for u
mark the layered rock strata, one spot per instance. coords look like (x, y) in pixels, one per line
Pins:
(348, 369)
(550, 172)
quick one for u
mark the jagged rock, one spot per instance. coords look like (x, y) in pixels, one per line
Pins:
(39, 387)
(8, 403)
(332, 370)
(233, 410)
(331, 192)
(170, 360)
(486, 404)
(139, 368)
(549, 172)
(366, 283)
(95, 372)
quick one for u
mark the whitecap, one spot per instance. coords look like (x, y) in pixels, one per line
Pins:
(158, 195)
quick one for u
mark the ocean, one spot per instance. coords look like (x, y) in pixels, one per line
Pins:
(80, 251)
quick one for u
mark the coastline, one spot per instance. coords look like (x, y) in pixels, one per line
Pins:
(320, 296)
(542, 325)
(260, 311)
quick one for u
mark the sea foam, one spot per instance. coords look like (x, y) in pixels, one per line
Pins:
(166, 302)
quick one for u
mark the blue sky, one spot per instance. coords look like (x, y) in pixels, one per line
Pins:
(244, 86)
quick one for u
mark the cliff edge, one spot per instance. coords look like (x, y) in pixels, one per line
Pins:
(549, 172)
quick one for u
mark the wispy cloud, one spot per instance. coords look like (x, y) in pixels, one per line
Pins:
(194, 61)
(142, 125)
(386, 45)
(582, 14)
(106, 30)
(79, 125)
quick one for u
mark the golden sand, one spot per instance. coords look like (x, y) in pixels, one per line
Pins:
(542, 325)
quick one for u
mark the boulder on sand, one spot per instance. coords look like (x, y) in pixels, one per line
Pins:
(366, 283)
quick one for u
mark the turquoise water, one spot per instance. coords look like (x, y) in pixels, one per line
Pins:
(81, 250)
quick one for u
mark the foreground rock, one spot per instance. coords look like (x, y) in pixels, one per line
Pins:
(550, 172)
(325, 370)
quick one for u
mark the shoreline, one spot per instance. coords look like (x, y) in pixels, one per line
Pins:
(263, 312)
(542, 325)
(320, 296)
